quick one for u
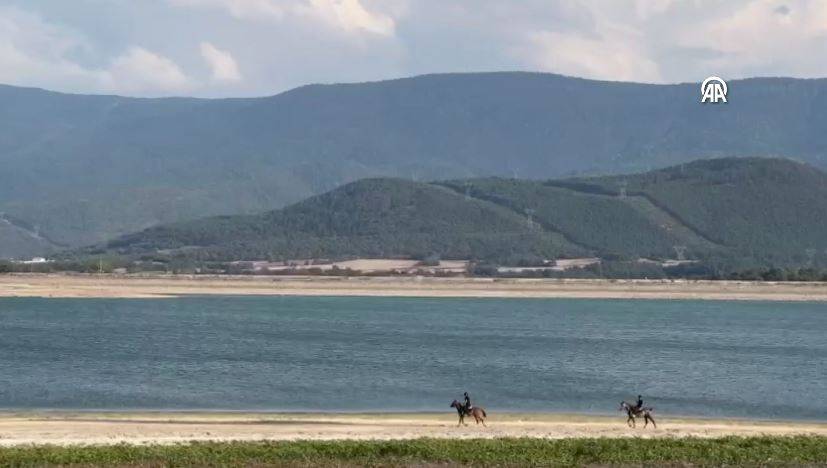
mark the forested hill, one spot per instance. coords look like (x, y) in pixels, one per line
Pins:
(738, 212)
(84, 169)
(772, 209)
(371, 217)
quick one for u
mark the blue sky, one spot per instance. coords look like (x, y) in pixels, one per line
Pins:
(218, 48)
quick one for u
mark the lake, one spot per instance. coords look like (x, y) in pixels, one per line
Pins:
(696, 358)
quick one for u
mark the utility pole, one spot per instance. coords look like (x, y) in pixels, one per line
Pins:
(530, 215)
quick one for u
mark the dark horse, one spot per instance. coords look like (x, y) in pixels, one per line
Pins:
(633, 412)
(477, 412)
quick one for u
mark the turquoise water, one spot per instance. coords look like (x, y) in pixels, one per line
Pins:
(702, 358)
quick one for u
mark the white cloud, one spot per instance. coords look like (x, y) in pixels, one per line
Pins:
(668, 41)
(614, 48)
(33, 53)
(349, 15)
(140, 70)
(223, 65)
(645, 9)
(242, 9)
(763, 37)
(36, 53)
(597, 58)
(345, 15)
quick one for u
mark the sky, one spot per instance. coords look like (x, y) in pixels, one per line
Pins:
(220, 48)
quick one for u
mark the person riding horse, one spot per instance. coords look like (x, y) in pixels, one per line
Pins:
(467, 403)
(467, 409)
(637, 410)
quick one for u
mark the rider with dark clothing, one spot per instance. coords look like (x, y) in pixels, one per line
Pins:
(467, 402)
(639, 404)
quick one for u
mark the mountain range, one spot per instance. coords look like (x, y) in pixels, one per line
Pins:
(80, 170)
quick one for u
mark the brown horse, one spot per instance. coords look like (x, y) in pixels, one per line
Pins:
(633, 412)
(477, 412)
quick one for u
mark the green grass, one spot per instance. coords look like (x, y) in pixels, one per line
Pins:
(732, 451)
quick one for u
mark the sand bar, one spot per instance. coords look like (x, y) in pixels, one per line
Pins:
(165, 428)
(129, 286)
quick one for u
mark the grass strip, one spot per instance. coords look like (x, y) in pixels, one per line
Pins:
(731, 451)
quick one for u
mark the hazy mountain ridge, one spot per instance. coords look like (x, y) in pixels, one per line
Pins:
(20, 239)
(86, 169)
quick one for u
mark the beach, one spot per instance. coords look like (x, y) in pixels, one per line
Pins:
(62, 428)
(149, 286)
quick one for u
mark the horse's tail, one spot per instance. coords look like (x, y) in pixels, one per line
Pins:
(484, 415)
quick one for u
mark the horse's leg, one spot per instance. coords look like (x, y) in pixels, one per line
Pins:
(653, 421)
(480, 418)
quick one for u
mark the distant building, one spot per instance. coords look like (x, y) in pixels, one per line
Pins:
(35, 260)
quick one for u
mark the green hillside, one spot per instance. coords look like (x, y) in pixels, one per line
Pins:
(87, 169)
(771, 210)
(734, 213)
(605, 224)
(372, 217)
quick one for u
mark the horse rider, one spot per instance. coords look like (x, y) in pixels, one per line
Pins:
(639, 405)
(467, 402)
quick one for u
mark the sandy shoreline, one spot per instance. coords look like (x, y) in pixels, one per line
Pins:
(126, 286)
(165, 428)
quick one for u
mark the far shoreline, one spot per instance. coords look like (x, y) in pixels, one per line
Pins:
(65, 285)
